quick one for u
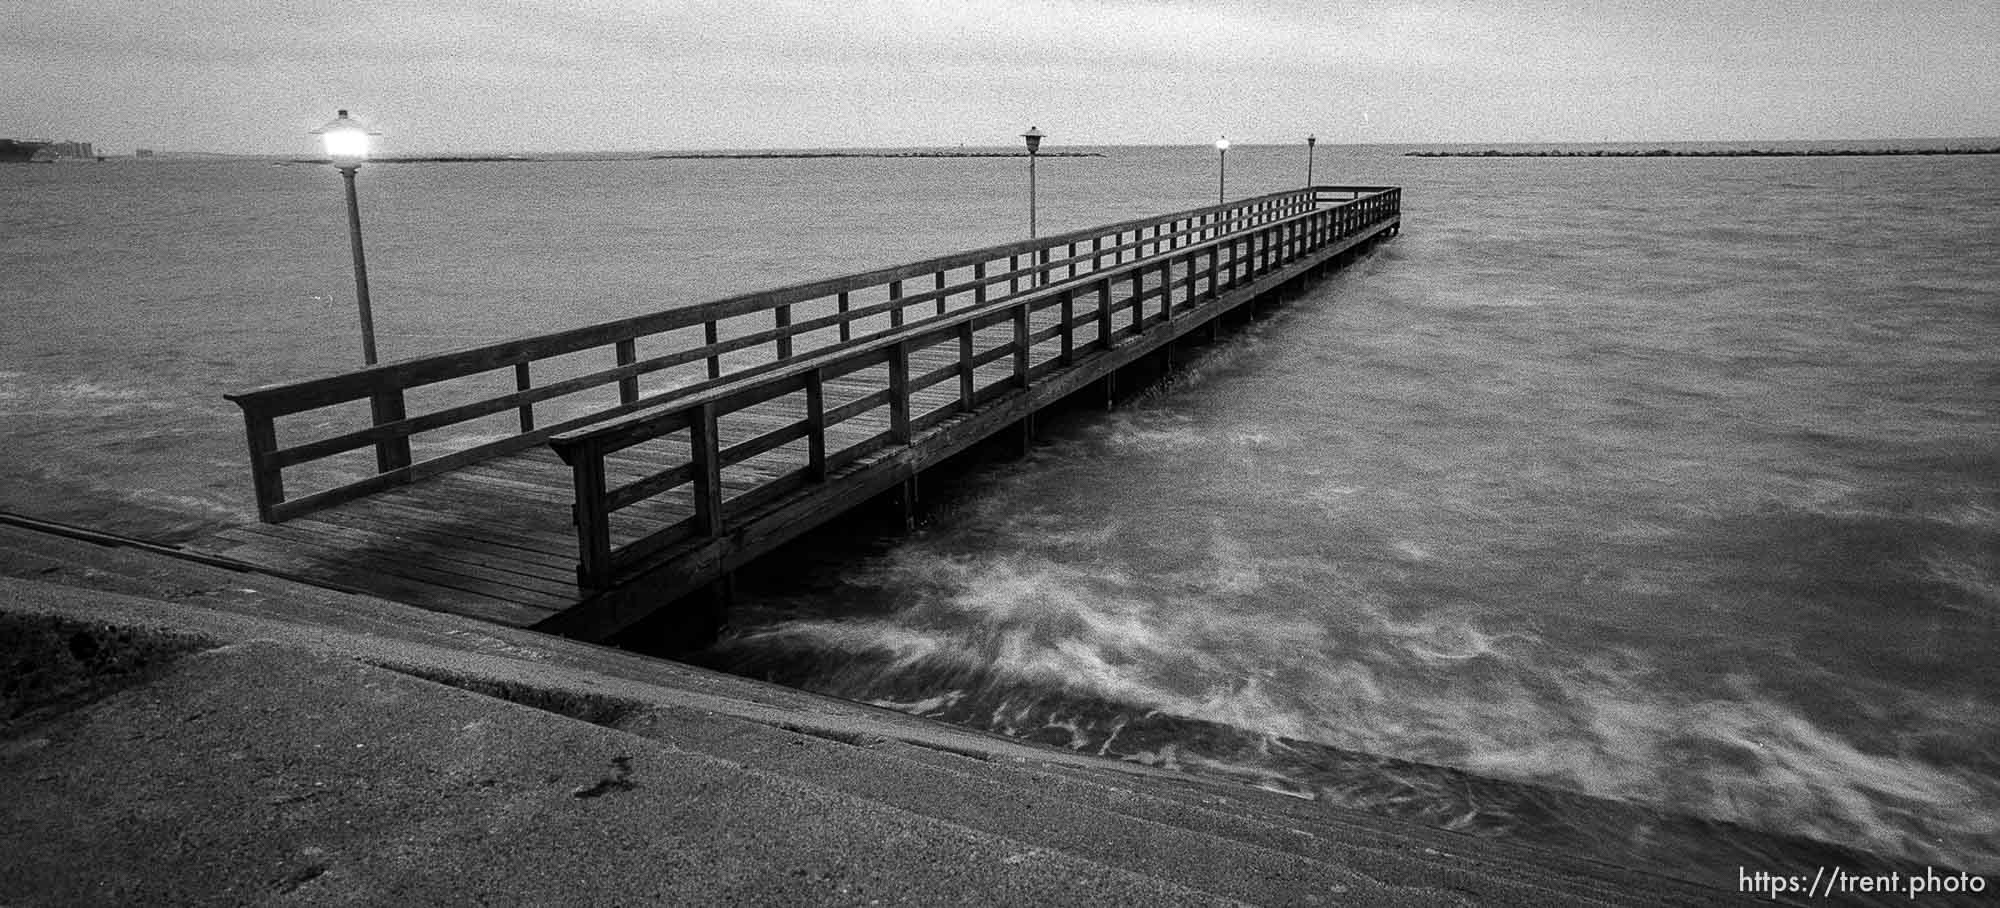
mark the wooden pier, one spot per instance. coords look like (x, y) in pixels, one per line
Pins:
(576, 482)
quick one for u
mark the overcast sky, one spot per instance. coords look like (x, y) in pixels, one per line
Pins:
(466, 75)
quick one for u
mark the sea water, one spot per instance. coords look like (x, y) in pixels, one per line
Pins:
(1671, 481)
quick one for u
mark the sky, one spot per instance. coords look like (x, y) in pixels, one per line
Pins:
(431, 76)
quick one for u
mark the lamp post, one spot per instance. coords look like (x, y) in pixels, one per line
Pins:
(347, 145)
(1310, 141)
(1034, 139)
(1221, 169)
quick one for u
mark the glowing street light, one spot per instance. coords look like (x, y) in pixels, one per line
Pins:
(1310, 141)
(1222, 169)
(346, 143)
(1034, 140)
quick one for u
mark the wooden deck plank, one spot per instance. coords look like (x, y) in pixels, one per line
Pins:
(454, 484)
(258, 548)
(558, 563)
(544, 534)
(410, 555)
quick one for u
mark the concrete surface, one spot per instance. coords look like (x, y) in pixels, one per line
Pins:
(179, 733)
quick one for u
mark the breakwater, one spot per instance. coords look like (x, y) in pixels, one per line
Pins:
(1706, 153)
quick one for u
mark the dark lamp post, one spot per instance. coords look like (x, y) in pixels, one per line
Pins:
(1310, 142)
(347, 146)
(1034, 139)
(1222, 169)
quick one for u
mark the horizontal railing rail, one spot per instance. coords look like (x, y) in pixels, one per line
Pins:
(691, 349)
(924, 374)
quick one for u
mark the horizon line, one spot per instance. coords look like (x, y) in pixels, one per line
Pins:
(767, 149)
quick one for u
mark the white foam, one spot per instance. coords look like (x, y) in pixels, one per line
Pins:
(1154, 430)
(1450, 685)
(1975, 580)
(28, 394)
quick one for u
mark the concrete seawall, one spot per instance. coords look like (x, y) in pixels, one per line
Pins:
(178, 732)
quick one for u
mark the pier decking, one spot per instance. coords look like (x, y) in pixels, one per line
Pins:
(575, 482)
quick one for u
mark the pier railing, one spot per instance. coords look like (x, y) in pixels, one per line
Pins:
(683, 471)
(544, 386)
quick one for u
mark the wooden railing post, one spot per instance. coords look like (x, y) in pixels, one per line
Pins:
(266, 480)
(1104, 313)
(1068, 326)
(978, 284)
(1021, 345)
(896, 304)
(846, 326)
(390, 453)
(938, 285)
(1138, 300)
(713, 336)
(628, 387)
(781, 318)
(816, 425)
(899, 393)
(592, 521)
(705, 449)
(1167, 290)
(523, 381)
(967, 395)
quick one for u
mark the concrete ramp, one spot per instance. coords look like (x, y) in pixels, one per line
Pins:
(227, 737)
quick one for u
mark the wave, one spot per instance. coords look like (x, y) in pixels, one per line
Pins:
(30, 394)
(1194, 668)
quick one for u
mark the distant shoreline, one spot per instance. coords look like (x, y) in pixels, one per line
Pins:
(1720, 153)
(870, 154)
(697, 156)
(428, 159)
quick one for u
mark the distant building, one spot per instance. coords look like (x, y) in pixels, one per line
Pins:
(69, 150)
(143, 153)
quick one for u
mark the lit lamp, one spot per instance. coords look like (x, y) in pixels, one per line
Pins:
(1034, 139)
(1310, 141)
(1222, 168)
(347, 145)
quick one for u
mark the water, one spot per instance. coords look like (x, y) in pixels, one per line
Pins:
(1668, 481)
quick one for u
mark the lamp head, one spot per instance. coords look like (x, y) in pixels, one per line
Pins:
(1034, 139)
(1310, 139)
(346, 140)
(1222, 144)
